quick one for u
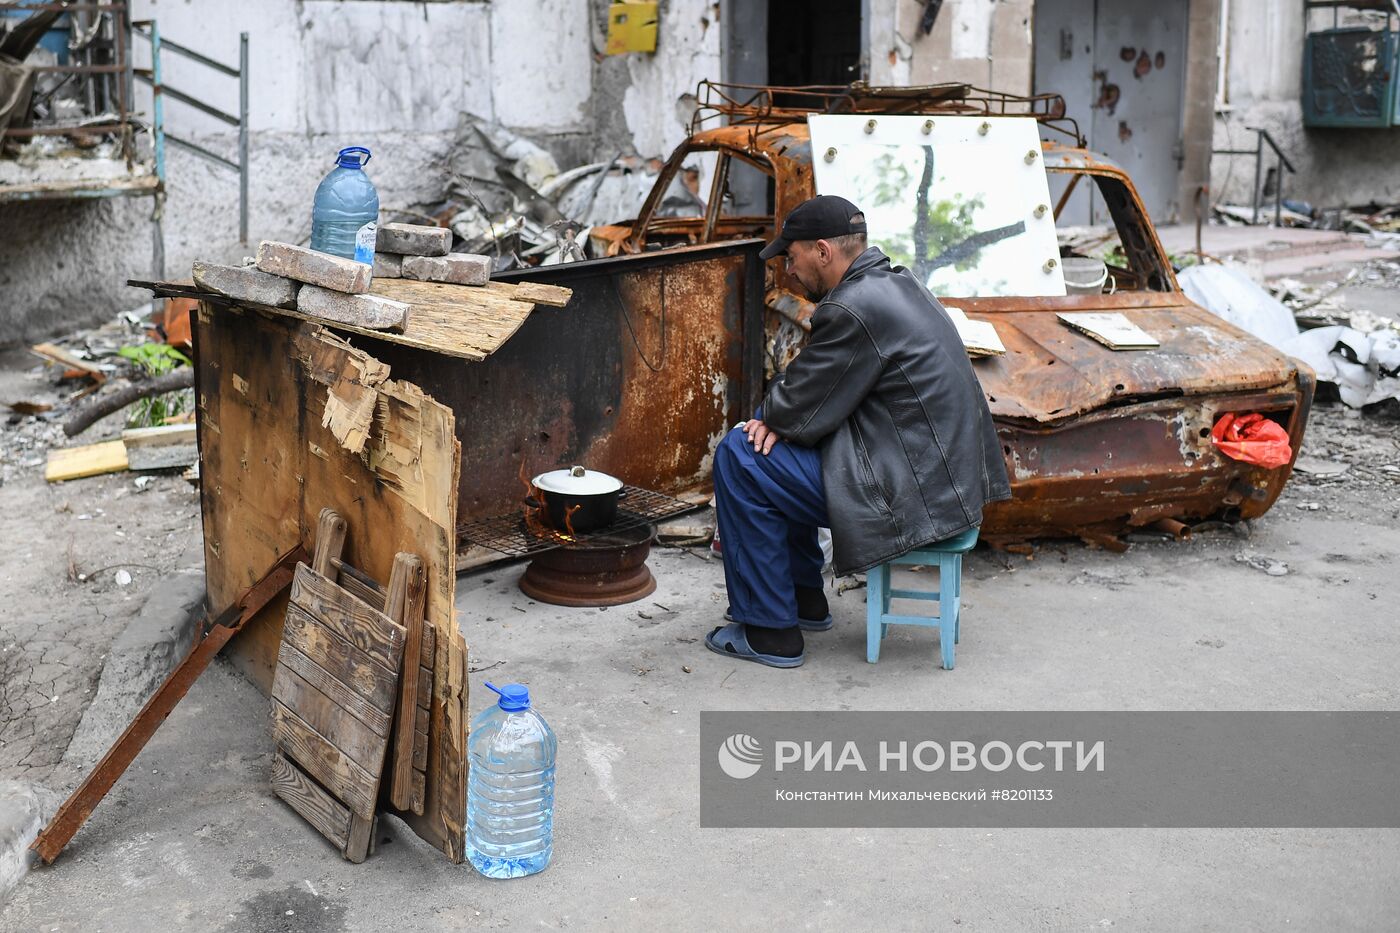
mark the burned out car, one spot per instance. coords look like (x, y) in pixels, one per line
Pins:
(955, 184)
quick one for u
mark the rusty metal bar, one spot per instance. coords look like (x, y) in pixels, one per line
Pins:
(175, 93)
(200, 151)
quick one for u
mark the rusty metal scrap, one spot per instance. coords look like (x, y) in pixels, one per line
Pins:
(1096, 442)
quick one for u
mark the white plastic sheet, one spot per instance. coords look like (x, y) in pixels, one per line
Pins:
(1228, 293)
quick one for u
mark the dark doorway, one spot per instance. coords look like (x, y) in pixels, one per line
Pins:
(813, 42)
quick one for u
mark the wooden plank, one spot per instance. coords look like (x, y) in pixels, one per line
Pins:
(410, 595)
(361, 834)
(161, 448)
(342, 660)
(335, 724)
(420, 750)
(420, 719)
(329, 816)
(377, 719)
(89, 460)
(331, 767)
(79, 806)
(164, 435)
(269, 465)
(54, 354)
(540, 294)
(465, 321)
(425, 684)
(349, 617)
(418, 800)
(330, 541)
(360, 585)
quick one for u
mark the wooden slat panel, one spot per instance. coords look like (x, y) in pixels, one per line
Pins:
(425, 687)
(361, 587)
(335, 724)
(355, 786)
(349, 617)
(420, 720)
(420, 750)
(291, 659)
(271, 465)
(342, 660)
(320, 809)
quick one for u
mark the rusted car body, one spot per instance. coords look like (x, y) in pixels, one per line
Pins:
(1096, 441)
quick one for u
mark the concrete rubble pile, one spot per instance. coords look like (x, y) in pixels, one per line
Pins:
(509, 199)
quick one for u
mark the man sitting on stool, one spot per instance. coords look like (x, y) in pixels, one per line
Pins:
(878, 430)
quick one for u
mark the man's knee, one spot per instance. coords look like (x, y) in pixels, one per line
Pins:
(733, 450)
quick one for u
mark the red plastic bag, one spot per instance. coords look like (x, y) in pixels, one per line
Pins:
(1253, 439)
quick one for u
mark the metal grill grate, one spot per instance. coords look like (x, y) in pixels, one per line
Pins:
(509, 534)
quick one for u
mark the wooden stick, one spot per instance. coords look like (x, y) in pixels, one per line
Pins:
(408, 612)
(102, 406)
(78, 807)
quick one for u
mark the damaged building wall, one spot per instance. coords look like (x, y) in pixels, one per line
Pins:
(986, 43)
(406, 79)
(1263, 88)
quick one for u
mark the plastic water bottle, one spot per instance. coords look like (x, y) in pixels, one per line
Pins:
(510, 790)
(345, 214)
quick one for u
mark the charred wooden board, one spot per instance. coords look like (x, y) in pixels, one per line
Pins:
(333, 698)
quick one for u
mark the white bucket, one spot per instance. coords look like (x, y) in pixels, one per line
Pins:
(1084, 275)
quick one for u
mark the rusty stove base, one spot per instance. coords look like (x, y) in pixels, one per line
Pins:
(608, 570)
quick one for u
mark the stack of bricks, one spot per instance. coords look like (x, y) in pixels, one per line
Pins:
(418, 252)
(313, 283)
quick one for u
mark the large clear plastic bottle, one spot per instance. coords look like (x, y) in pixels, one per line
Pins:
(345, 213)
(510, 787)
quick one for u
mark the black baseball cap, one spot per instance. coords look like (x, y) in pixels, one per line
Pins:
(824, 217)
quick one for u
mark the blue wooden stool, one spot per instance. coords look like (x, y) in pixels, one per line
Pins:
(946, 555)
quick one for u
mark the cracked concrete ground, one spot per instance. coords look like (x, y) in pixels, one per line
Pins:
(193, 839)
(61, 605)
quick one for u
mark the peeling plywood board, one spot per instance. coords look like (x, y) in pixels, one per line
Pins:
(271, 459)
(465, 321)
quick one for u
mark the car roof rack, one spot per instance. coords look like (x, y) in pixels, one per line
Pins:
(754, 104)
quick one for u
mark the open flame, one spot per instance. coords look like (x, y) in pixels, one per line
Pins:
(536, 521)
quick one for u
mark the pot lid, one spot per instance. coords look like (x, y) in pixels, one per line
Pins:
(576, 481)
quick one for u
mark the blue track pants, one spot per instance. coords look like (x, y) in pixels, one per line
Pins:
(769, 509)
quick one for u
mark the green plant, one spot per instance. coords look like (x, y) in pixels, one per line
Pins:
(154, 359)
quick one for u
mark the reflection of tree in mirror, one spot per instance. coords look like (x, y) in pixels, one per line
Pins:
(944, 231)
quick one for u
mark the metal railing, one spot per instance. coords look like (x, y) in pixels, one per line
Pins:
(1262, 138)
(149, 30)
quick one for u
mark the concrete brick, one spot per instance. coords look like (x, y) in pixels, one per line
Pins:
(370, 311)
(244, 283)
(455, 268)
(388, 266)
(414, 240)
(313, 268)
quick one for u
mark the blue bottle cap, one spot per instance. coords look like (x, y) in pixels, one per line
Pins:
(513, 696)
(350, 157)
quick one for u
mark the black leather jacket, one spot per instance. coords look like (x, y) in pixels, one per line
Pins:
(884, 388)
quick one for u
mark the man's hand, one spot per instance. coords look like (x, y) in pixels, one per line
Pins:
(760, 436)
